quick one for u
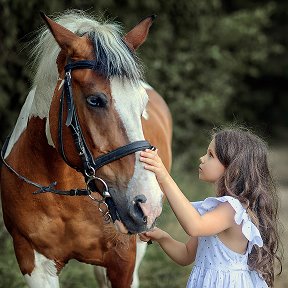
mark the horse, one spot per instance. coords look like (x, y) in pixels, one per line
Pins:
(72, 185)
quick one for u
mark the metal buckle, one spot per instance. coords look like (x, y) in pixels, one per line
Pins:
(68, 75)
(90, 172)
(153, 148)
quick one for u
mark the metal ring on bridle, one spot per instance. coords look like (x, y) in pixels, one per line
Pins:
(105, 193)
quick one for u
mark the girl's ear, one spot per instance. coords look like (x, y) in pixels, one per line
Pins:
(137, 36)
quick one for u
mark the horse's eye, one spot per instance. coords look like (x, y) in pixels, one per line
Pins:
(98, 100)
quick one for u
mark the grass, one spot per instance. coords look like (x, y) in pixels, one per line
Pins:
(156, 270)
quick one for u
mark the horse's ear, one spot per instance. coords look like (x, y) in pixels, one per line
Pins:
(136, 37)
(64, 37)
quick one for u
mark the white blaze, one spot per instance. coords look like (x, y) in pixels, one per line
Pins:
(130, 101)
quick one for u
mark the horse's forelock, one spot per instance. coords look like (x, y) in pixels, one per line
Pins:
(114, 58)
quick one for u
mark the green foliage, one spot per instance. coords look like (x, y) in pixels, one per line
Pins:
(209, 60)
(77, 275)
(213, 61)
(208, 54)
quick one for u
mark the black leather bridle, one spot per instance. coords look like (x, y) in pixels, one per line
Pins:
(89, 164)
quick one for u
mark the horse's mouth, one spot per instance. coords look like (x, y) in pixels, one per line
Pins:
(120, 227)
(127, 224)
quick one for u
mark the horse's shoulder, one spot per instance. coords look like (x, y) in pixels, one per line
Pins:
(158, 126)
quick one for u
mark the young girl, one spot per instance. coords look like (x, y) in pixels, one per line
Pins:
(233, 236)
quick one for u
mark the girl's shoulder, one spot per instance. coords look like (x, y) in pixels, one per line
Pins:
(211, 202)
(249, 230)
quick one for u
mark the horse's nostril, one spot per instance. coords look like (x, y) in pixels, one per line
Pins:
(137, 212)
(140, 199)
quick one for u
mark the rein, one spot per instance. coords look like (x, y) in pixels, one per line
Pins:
(90, 164)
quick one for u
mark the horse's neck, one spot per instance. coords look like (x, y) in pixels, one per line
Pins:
(39, 163)
(36, 136)
(33, 149)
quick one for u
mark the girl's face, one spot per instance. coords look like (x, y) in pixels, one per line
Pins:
(210, 168)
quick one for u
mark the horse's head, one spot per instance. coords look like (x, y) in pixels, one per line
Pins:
(109, 101)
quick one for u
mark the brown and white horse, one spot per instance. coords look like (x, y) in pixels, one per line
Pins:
(105, 106)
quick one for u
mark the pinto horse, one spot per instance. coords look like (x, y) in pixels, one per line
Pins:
(72, 185)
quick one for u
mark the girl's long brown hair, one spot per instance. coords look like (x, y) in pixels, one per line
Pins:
(247, 177)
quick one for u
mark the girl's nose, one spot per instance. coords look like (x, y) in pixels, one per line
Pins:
(201, 159)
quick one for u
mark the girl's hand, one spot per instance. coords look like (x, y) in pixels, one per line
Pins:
(154, 163)
(156, 235)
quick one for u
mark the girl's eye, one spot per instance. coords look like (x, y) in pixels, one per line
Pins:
(210, 154)
(99, 100)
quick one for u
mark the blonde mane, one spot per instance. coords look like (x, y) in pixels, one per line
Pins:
(112, 58)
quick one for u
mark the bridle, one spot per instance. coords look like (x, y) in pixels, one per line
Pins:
(89, 164)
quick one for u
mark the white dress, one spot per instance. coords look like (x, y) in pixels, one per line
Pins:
(217, 266)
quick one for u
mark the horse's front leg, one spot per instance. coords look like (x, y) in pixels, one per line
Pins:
(140, 252)
(101, 277)
(101, 272)
(38, 270)
(44, 274)
(120, 262)
(120, 273)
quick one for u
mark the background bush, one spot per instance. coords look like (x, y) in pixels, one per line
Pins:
(213, 61)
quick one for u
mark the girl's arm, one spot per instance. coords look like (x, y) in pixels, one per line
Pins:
(181, 253)
(211, 223)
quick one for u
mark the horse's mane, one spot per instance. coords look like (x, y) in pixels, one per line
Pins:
(113, 57)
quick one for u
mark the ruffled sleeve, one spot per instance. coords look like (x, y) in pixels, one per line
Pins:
(249, 230)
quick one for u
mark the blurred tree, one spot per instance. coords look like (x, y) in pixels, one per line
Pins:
(203, 62)
(212, 61)
(264, 91)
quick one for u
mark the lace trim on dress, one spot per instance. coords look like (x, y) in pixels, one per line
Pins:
(249, 229)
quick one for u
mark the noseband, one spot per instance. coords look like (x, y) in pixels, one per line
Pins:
(89, 164)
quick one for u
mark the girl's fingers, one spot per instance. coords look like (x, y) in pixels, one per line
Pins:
(150, 161)
(144, 156)
(144, 237)
(150, 168)
(148, 154)
(152, 151)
